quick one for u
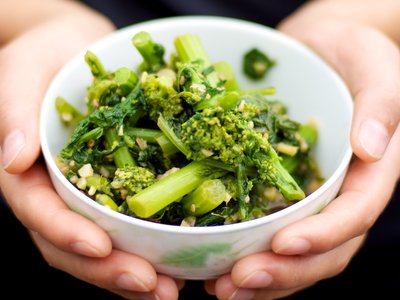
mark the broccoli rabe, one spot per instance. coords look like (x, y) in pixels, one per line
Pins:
(161, 96)
(152, 52)
(133, 178)
(209, 195)
(229, 136)
(180, 142)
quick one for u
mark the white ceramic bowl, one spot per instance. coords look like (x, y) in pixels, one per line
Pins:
(309, 87)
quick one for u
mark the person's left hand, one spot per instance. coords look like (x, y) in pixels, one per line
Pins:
(321, 246)
(67, 240)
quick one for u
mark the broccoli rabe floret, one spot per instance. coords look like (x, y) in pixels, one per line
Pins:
(160, 96)
(192, 84)
(215, 133)
(108, 88)
(133, 178)
(229, 136)
(190, 50)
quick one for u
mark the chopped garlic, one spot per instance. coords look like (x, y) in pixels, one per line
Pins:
(81, 184)
(207, 153)
(287, 149)
(86, 171)
(189, 221)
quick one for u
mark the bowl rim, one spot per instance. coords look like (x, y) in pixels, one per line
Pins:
(232, 23)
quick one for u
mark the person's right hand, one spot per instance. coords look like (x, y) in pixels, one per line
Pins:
(67, 241)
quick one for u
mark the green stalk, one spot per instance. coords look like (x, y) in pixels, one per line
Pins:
(171, 188)
(126, 80)
(94, 64)
(100, 183)
(310, 133)
(93, 134)
(170, 134)
(227, 75)
(268, 91)
(106, 201)
(244, 188)
(151, 52)
(290, 163)
(287, 185)
(147, 134)
(226, 100)
(280, 177)
(68, 113)
(166, 146)
(190, 49)
(122, 156)
(209, 195)
(153, 136)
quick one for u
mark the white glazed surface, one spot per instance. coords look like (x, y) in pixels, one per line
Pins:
(308, 86)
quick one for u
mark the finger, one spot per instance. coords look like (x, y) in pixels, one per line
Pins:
(364, 195)
(228, 290)
(209, 286)
(19, 133)
(164, 290)
(268, 275)
(180, 283)
(118, 271)
(38, 207)
(24, 77)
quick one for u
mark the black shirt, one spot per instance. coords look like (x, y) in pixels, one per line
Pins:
(126, 12)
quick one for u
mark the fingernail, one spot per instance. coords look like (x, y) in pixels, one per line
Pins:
(257, 279)
(294, 246)
(84, 248)
(373, 137)
(12, 146)
(150, 296)
(242, 294)
(128, 281)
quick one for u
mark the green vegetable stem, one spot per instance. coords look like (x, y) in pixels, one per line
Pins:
(152, 52)
(171, 188)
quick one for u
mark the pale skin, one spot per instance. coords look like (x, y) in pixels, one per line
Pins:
(351, 35)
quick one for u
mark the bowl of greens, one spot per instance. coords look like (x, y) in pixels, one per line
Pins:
(193, 140)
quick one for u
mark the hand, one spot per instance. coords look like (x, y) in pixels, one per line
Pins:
(330, 239)
(67, 241)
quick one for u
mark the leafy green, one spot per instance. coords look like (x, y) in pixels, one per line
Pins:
(179, 142)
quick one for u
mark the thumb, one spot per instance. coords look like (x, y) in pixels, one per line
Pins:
(369, 63)
(371, 67)
(22, 83)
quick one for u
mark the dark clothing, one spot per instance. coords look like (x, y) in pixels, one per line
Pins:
(126, 12)
(374, 270)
